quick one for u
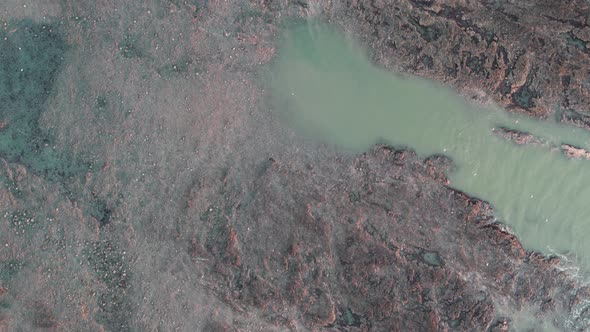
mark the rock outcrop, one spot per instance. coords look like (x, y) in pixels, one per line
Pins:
(573, 152)
(518, 137)
(191, 210)
(526, 56)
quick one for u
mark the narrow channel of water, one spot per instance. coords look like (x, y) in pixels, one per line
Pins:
(325, 86)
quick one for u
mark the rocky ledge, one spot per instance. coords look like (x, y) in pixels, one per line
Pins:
(523, 138)
(527, 56)
(573, 152)
(516, 136)
(191, 213)
(378, 242)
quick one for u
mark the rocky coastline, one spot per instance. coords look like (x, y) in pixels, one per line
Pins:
(172, 203)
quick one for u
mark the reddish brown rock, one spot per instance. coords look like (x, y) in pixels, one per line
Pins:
(213, 221)
(573, 152)
(526, 56)
(368, 247)
(516, 136)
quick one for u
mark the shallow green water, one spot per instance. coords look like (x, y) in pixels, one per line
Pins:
(325, 86)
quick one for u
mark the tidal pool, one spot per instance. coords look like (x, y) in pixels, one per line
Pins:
(325, 86)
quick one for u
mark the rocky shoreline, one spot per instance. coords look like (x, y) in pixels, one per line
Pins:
(523, 138)
(183, 207)
(523, 56)
(518, 137)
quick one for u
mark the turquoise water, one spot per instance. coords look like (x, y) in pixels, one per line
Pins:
(324, 85)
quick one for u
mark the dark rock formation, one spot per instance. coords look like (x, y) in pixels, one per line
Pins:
(522, 138)
(574, 118)
(528, 56)
(197, 215)
(516, 136)
(384, 246)
(573, 152)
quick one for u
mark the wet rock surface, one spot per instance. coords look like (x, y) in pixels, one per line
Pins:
(574, 118)
(516, 136)
(522, 138)
(527, 56)
(573, 152)
(183, 209)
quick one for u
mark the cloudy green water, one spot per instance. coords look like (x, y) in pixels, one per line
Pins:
(325, 86)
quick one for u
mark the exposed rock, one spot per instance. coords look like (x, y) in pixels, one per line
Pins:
(521, 138)
(302, 3)
(524, 55)
(573, 152)
(224, 225)
(574, 118)
(516, 136)
(501, 325)
(383, 260)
